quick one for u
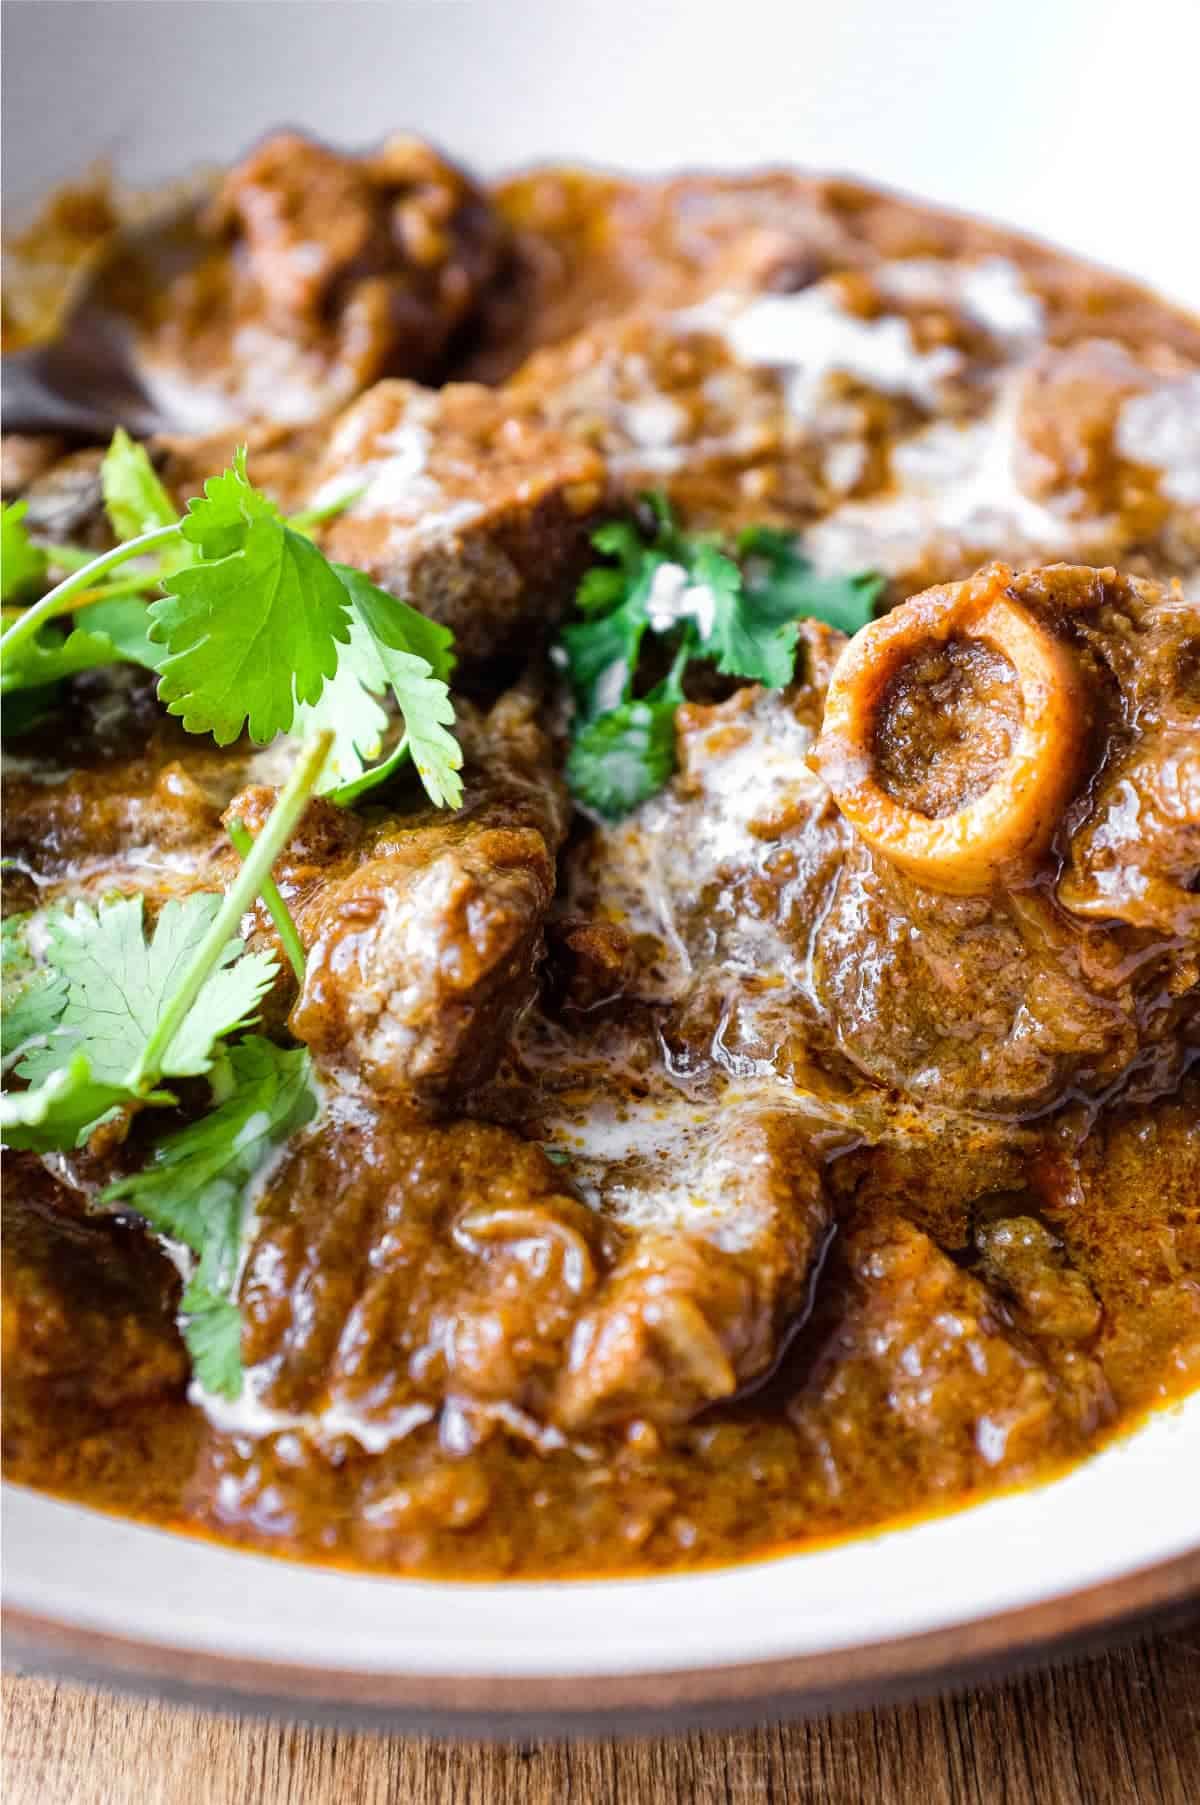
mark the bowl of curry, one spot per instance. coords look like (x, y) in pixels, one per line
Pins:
(601, 942)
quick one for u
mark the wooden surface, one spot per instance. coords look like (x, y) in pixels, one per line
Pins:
(1120, 1729)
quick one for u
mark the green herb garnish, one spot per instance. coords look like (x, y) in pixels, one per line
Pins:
(137, 1010)
(34, 994)
(22, 563)
(195, 1187)
(391, 647)
(109, 1011)
(251, 628)
(736, 606)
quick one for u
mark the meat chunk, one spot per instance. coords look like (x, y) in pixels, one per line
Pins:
(89, 1305)
(1024, 1261)
(1126, 1206)
(728, 1220)
(475, 516)
(398, 1269)
(423, 931)
(1134, 856)
(955, 1393)
(315, 274)
(1071, 403)
(423, 927)
(914, 413)
(777, 406)
(110, 791)
(423, 954)
(667, 403)
(1109, 438)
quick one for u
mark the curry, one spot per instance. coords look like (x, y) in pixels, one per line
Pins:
(753, 1099)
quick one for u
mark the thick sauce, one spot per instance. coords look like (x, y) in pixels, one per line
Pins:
(706, 1184)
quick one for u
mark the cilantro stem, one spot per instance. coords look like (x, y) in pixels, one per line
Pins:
(248, 884)
(59, 599)
(243, 845)
(347, 794)
(329, 510)
(111, 592)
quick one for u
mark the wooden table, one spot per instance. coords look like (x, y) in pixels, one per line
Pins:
(1122, 1728)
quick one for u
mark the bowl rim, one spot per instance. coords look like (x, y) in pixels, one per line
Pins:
(498, 1704)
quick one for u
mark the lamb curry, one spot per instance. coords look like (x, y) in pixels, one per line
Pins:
(714, 1067)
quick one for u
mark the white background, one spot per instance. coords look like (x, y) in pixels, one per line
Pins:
(1075, 119)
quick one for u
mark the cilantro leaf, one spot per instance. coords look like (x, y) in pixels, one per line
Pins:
(125, 622)
(744, 641)
(118, 985)
(253, 628)
(23, 564)
(602, 586)
(34, 995)
(195, 1188)
(212, 1333)
(623, 757)
(782, 585)
(391, 647)
(412, 657)
(395, 625)
(248, 632)
(195, 1176)
(602, 652)
(352, 714)
(740, 613)
(113, 633)
(134, 497)
(135, 1010)
(61, 1111)
(216, 523)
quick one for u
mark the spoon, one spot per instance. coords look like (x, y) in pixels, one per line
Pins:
(83, 382)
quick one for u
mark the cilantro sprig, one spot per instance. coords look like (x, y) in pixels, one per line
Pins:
(104, 1012)
(251, 628)
(22, 563)
(119, 982)
(248, 628)
(195, 1188)
(34, 993)
(118, 1012)
(736, 606)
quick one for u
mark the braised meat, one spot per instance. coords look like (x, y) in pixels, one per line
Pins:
(477, 516)
(89, 1307)
(113, 789)
(971, 1394)
(398, 1270)
(725, 1239)
(424, 934)
(317, 273)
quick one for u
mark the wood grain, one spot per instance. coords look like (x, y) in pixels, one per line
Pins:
(1120, 1729)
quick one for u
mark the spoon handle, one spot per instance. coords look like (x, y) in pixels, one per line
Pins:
(31, 402)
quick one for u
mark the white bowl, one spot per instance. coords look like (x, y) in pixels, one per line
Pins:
(894, 95)
(1118, 1535)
